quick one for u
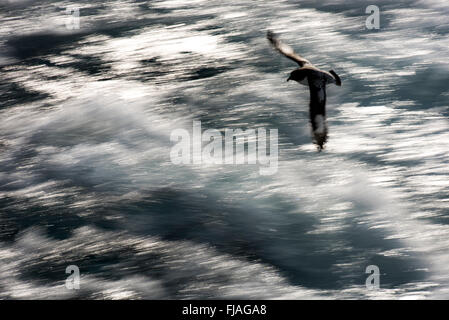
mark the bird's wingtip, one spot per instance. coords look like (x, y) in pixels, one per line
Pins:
(337, 78)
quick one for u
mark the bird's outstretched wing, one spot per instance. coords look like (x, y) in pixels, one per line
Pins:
(286, 50)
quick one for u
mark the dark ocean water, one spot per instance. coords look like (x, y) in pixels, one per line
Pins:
(85, 171)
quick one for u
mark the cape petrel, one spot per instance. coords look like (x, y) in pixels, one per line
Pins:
(309, 75)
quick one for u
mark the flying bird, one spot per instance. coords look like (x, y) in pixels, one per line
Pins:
(309, 75)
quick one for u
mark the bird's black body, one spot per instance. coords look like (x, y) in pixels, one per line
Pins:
(307, 74)
(317, 112)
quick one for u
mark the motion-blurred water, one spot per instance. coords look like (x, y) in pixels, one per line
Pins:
(86, 178)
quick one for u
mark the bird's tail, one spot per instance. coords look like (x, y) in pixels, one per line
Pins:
(337, 78)
(320, 139)
(319, 130)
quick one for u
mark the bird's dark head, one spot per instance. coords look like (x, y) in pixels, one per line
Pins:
(297, 75)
